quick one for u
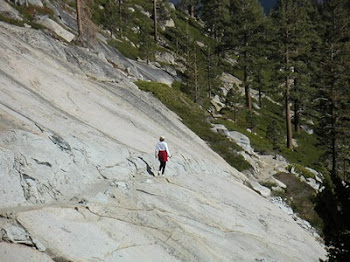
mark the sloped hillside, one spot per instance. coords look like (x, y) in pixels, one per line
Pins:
(77, 144)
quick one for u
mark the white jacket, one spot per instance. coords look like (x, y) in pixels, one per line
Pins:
(162, 146)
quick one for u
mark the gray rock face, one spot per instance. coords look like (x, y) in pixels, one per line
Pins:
(55, 27)
(165, 57)
(264, 191)
(77, 169)
(7, 10)
(242, 140)
(11, 253)
(26, 2)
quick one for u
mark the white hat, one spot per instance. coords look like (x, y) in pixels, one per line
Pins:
(162, 138)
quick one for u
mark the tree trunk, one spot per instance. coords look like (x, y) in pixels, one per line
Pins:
(260, 92)
(120, 2)
(248, 97)
(191, 10)
(333, 119)
(79, 20)
(155, 20)
(287, 92)
(209, 73)
(334, 142)
(297, 127)
(196, 84)
(288, 117)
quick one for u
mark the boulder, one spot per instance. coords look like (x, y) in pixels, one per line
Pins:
(26, 2)
(7, 10)
(169, 23)
(229, 80)
(220, 129)
(165, 57)
(21, 253)
(215, 101)
(16, 234)
(36, 3)
(55, 27)
(262, 190)
(242, 140)
(172, 6)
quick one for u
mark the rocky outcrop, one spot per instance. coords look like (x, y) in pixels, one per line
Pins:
(55, 27)
(7, 10)
(77, 162)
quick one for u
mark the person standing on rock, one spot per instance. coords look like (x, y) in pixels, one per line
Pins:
(162, 153)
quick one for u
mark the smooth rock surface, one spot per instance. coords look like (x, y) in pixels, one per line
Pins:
(55, 27)
(77, 165)
(20, 253)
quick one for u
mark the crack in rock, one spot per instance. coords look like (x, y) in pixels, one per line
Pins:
(60, 142)
(42, 162)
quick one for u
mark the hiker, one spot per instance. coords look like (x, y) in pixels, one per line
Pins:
(162, 153)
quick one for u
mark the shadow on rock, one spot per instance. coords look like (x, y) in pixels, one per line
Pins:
(148, 167)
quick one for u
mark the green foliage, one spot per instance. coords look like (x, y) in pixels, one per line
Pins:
(233, 101)
(251, 120)
(274, 135)
(30, 11)
(301, 170)
(147, 44)
(308, 151)
(125, 48)
(216, 15)
(195, 118)
(333, 206)
(11, 20)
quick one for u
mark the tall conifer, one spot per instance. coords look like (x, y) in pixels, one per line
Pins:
(241, 36)
(334, 131)
(289, 18)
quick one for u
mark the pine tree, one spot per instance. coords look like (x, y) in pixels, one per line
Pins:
(216, 15)
(334, 131)
(195, 82)
(261, 65)
(274, 134)
(292, 41)
(335, 81)
(190, 5)
(155, 20)
(147, 45)
(304, 59)
(233, 101)
(110, 16)
(241, 37)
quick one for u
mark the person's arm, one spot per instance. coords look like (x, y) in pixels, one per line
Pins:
(167, 150)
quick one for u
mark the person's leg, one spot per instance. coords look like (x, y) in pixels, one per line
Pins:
(164, 163)
(160, 168)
